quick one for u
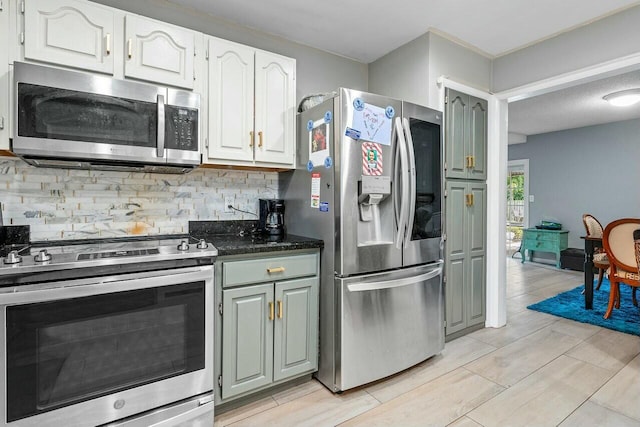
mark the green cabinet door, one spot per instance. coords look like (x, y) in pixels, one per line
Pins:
(247, 339)
(465, 254)
(465, 138)
(295, 338)
(456, 256)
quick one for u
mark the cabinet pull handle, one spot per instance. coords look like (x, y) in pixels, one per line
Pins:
(275, 270)
(108, 50)
(129, 48)
(469, 200)
(473, 161)
(251, 139)
(270, 310)
(260, 142)
(468, 160)
(472, 199)
(279, 309)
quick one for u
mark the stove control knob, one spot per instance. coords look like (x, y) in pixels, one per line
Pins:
(43, 256)
(183, 246)
(13, 258)
(202, 244)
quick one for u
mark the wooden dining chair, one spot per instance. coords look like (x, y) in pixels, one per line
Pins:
(623, 265)
(600, 260)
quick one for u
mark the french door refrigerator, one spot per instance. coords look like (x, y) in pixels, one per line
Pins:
(368, 182)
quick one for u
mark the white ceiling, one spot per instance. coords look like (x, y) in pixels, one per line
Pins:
(365, 30)
(574, 107)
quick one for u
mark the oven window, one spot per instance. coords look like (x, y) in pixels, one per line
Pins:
(52, 113)
(68, 351)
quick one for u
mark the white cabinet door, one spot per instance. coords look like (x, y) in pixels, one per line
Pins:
(158, 52)
(275, 108)
(4, 78)
(68, 32)
(230, 101)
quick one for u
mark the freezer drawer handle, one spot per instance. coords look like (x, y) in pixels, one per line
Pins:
(275, 270)
(396, 283)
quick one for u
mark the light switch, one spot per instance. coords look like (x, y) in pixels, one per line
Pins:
(531, 198)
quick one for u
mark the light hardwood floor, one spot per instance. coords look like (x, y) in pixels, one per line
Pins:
(538, 370)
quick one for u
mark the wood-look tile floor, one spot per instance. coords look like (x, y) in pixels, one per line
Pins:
(538, 370)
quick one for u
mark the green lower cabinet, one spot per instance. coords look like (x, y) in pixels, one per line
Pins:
(269, 334)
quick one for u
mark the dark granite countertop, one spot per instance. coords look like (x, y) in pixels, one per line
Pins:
(242, 237)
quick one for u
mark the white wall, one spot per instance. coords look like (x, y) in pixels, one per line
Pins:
(317, 71)
(607, 39)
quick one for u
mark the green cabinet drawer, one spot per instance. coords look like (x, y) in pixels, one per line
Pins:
(542, 237)
(235, 273)
(541, 245)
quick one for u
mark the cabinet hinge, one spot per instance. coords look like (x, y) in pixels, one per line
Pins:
(22, 37)
(444, 279)
(206, 54)
(445, 165)
(220, 308)
(444, 237)
(1, 5)
(2, 122)
(446, 99)
(446, 193)
(206, 143)
(445, 323)
(220, 381)
(22, 7)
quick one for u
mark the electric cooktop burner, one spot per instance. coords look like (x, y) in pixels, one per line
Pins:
(42, 256)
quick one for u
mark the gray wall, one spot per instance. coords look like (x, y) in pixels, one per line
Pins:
(317, 71)
(411, 71)
(592, 170)
(403, 73)
(610, 38)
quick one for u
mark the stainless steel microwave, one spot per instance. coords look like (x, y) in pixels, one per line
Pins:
(79, 120)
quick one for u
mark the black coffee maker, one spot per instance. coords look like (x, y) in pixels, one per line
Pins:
(272, 216)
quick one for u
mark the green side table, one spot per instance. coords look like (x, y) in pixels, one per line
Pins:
(534, 239)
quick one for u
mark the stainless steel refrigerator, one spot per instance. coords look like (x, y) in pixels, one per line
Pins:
(368, 181)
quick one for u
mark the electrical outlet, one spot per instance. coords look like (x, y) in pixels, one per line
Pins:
(228, 202)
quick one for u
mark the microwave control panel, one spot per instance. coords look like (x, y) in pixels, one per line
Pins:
(181, 128)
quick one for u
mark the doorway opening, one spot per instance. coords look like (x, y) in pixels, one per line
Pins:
(517, 204)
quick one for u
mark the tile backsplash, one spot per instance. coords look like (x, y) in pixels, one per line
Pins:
(77, 204)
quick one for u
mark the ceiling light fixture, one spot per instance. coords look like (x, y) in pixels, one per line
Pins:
(624, 98)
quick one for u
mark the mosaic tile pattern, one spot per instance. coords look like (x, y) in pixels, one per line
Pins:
(76, 204)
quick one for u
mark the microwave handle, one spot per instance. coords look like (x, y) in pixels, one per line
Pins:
(161, 126)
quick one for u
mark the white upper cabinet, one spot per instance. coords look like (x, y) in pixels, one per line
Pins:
(275, 108)
(231, 90)
(68, 32)
(251, 106)
(4, 78)
(159, 52)
(92, 37)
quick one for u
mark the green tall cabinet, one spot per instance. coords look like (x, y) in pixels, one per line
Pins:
(465, 174)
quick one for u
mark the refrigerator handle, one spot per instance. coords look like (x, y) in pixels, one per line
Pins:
(394, 283)
(404, 182)
(396, 182)
(412, 181)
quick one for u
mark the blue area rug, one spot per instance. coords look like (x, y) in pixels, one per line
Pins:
(570, 305)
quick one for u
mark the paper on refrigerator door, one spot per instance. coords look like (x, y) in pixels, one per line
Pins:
(373, 124)
(315, 190)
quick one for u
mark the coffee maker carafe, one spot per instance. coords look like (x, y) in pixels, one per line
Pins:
(272, 216)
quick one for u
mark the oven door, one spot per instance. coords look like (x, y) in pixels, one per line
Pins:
(90, 351)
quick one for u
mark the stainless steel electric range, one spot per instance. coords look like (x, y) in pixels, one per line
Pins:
(107, 333)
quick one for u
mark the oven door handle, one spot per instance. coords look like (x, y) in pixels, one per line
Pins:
(186, 417)
(65, 289)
